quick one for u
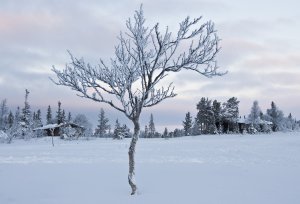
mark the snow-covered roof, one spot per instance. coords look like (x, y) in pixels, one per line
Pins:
(260, 121)
(52, 126)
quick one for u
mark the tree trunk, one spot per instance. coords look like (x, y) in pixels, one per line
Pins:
(131, 153)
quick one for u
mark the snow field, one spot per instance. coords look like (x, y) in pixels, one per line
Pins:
(222, 169)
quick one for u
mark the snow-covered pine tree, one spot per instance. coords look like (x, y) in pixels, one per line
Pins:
(187, 124)
(230, 114)
(217, 110)
(69, 117)
(3, 114)
(63, 116)
(59, 118)
(196, 127)
(205, 117)
(166, 133)
(255, 115)
(49, 119)
(151, 127)
(118, 134)
(10, 120)
(103, 125)
(37, 122)
(26, 118)
(82, 120)
(276, 117)
(146, 132)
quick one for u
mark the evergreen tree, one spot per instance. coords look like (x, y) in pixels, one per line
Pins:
(37, 122)
(117, 131)
(230, 114)
(205, 117)
(196, 128)
(59, 118)
(166, 133)
(69, 117)
(255, 115)
(151, 127)
(37, 119)
(103, 125)
(125, 131)
(26, 113)
(3, 114)
(17, 115)
(217, 110)
(63, 116)
(10, 120)
(49, 119)
(276, 117)
(26, 118)
(146, 132)
(187, 124)
(82, 120)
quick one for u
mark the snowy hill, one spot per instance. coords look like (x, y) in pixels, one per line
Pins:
(227, 169)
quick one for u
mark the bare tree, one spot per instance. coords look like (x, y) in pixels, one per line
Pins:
(143, 57)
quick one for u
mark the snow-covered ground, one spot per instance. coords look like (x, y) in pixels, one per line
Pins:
(227, 169)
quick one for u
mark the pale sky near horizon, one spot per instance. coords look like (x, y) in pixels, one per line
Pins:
(260, 49)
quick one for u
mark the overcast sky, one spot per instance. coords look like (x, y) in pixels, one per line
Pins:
(260, 49)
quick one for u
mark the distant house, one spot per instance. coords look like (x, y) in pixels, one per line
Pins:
(71, 129)
(244, 124)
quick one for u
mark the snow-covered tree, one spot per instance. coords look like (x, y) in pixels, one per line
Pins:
(103, 125)
(230, 113)
(118, 133)
(276, 117)
(217, 110)
(151, 127)
(10, 120)
(187, 124)
(3, 114)
(26, 118)
(196, 127)
(143, 58)
(82, 120)
(69, 117)
(49, 119)
(255, 115)
(166, 133)
(63, 116)
(59, 118)
(37, 119)
(205, 117)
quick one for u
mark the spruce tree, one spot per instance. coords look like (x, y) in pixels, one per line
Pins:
(26, 113)
(63, 116)
(3, 114)
(230, 113)
(117, 131)
(103, 125)
(255, 115)
(217, 111)
(187, 124)
(151, 127)
(205, 117)
(26, 118)
(166, 133)
(59, 113)
(69, 117)
(276, 117)
(10, 119)
(49, 115)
